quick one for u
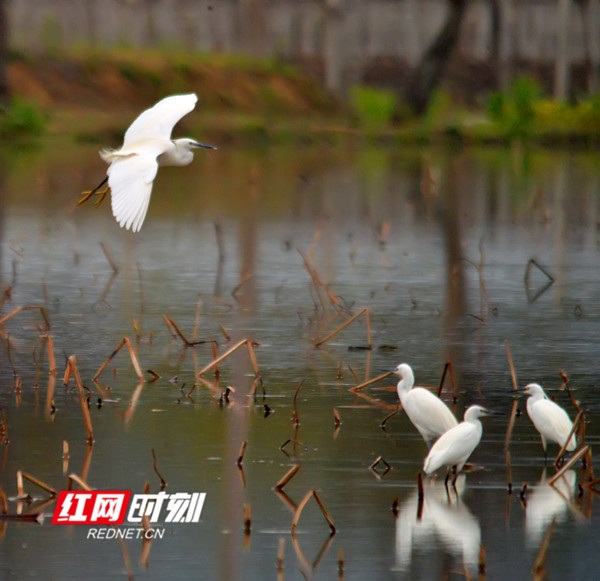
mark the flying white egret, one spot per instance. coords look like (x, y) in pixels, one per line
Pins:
(453, 448)
(147, 145)
(428, 413)
(549, 419)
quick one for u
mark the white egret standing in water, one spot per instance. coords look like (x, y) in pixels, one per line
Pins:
(428, 413)
(549, 419)
(454, 447)
(146, 146)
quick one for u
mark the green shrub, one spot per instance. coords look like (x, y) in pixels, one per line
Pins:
(20, 118)
(373, 107)
(515, 109)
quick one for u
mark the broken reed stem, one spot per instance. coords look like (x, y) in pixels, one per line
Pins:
(336, 418)
(227, 353)
(565, 385)
(280, 555)
(366, 383)
(163, 483)
(364, 311)
(511, 424)
(287, 477)
(301, 508)
(563, 449)
(295, 417)
(390, 415)
(513, 375)
(568, 465)
(225, 333)
(3, 502)
(82, 399)
(132, 355)
(240, 458)
(448, 368)
(509, 472)
(38, 483)
(77, 480)
(247, 519)
(51, 360)
(109, 258)
(176, 331)
(27, 308)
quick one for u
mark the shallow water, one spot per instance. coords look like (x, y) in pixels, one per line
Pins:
(434, 243)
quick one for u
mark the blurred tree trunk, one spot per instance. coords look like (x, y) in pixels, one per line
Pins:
(4, 90)
(562, 66)
(430, 70)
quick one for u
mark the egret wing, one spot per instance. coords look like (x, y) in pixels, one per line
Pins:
(453, 447)
(130, 179)
(428, 413)
(552, 422)
(158, 121)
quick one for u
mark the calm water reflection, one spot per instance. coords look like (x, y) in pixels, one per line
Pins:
(435, 243)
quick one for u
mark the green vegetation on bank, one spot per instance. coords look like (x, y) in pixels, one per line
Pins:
(94, 96)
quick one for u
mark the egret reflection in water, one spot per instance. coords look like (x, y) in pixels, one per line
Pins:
(548, 501)
(444, 521)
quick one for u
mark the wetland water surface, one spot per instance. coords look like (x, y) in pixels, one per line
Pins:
(434, 244)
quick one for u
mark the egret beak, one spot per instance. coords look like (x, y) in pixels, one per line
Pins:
(489, 412)
(203, 145)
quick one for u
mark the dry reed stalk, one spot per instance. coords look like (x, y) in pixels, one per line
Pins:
(236, 289)
(448, 368)
(375, 463)
(163, 483)
(134, 360)
(67, 375)
(287, 477)
(539, 571)
(563, 448)
(65, 457)
(20, 488)
(568, 465)
(320, 286)
(3, 502)
(241, 453)
(295, 417)
(4, 428)
(312, 493)
(146, 519)
(176, 331)
(341, 563)
(247, 519)
(390, 415)
(75, 478)
(336, 418)
(51, 360)
(126, 560)
(215, 362)
(509, 472)
(280, 556)
(135, 397)
(365, 311)
(50, 395)
(155, 376)
(566, 387)
(82, 399)
(27, 308)
(108, 256)
(366, 383)
(481, 562)
(420, 496)
(511, 424)
(24, 476)
(225, 333)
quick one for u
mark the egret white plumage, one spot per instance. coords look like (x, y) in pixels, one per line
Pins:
(147, 145)
(549, 419)
(453, 448)
(428, 413)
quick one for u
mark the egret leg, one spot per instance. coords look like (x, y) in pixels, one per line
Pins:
(97, 192)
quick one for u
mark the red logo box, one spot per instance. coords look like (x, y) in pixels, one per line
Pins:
(87, 507)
